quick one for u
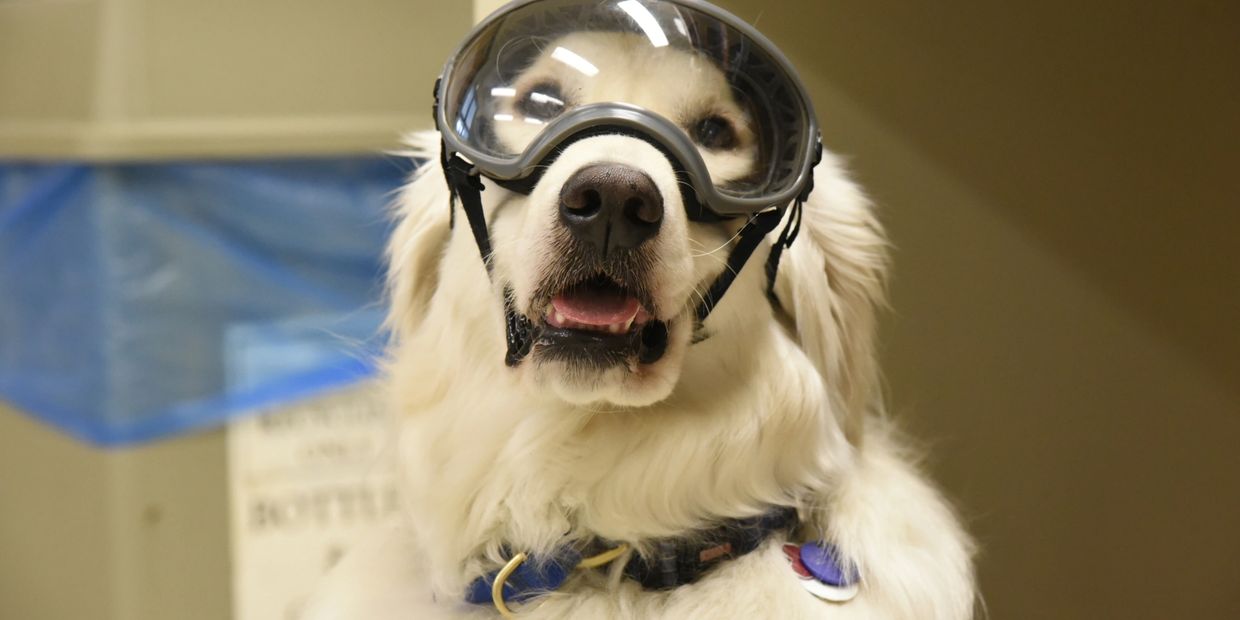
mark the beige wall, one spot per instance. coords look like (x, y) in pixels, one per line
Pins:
(140, 534)
(482, 8)
(114, 79)
(1060, 181)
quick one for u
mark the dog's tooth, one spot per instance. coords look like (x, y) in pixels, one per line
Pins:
(627, 325)
(559, 319)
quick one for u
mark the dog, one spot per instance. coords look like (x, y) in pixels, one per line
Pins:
(768, 402)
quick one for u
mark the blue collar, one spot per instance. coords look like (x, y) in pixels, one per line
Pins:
(670, 563)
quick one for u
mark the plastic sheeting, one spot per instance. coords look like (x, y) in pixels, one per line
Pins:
(128, 292)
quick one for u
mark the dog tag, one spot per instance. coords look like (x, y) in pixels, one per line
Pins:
(822, 561)
(828, 592)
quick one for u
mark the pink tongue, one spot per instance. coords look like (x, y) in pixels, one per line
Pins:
(591, 307)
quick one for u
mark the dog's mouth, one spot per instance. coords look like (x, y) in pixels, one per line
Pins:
(597, 305)
(600, 323)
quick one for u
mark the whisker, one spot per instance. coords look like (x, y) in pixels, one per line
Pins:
(724, 245)
(697, 292)
(715, 257)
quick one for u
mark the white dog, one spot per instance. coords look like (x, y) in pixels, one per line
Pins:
(763, 405)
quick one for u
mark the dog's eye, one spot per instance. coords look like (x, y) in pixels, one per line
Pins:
(714, 133)
(543, 101)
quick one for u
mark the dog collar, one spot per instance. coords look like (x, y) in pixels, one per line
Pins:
(670, 563)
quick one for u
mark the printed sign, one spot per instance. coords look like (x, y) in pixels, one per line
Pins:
(305, 481)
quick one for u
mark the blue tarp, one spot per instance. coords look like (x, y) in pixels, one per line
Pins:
(126, 289)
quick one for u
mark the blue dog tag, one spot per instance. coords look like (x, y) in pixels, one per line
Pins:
(822, 561)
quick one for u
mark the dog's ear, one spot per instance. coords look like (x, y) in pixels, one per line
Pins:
(831, 283)
(421, 236)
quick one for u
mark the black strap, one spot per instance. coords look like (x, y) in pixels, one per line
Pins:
(750, 237)
(680, 561)
(465, 183)
(786, 237)
(519, 333)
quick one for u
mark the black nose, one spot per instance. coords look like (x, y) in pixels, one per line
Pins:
(611, 206)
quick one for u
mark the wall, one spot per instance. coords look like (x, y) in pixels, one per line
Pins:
(1059, 181)
(109, 79)
(140, 534)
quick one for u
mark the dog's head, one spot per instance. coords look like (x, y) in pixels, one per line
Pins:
(601, 256)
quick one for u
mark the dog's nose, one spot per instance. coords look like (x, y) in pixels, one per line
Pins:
(611, 206)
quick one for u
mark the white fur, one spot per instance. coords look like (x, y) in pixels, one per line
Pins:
(774, 407)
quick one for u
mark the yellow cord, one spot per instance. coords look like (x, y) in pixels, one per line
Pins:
(604, 557)
(497, 588)
(501, 578)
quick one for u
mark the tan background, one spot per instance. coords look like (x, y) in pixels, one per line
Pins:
(107, 79)
(1060, 179)
(142, 534)
(132, 535)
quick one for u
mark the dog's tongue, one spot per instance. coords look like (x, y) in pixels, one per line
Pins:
(594, 306)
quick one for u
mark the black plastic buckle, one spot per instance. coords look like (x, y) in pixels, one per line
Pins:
(462, 173)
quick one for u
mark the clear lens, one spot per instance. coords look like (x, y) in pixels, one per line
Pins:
(730, 95)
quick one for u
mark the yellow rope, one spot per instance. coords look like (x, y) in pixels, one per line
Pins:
(501, 578)
(497, 588)
(604, 557)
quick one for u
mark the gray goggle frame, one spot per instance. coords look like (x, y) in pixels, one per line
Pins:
(655, 126)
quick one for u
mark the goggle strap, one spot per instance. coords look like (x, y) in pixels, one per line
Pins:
(750, 237)
(518, 334)
(786, 237)
(465, 183)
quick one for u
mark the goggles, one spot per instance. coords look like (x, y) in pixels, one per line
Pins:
(538, 73)
(704, 87)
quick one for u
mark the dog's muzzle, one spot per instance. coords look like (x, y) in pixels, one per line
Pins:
(596, 303)
(611, 207)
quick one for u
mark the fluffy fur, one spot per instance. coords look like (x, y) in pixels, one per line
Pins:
(773, 407)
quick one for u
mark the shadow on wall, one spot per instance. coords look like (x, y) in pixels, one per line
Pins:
(1058, 181)
(1106, 131)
